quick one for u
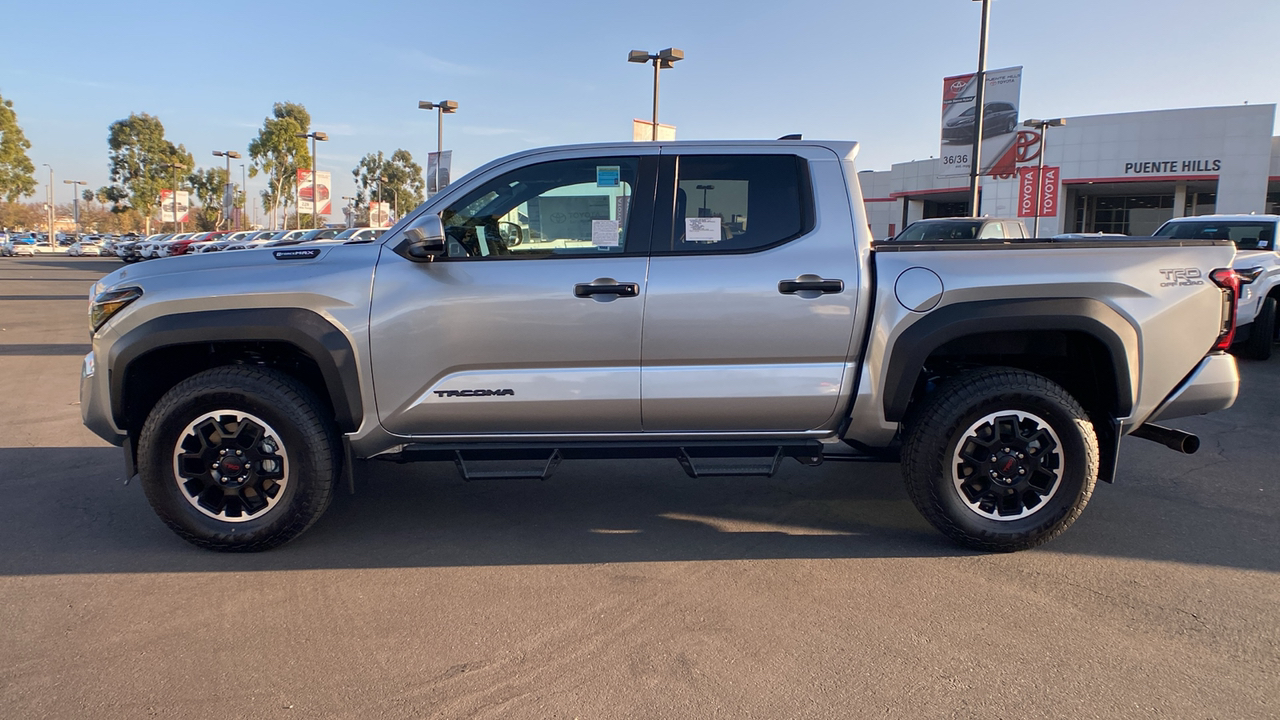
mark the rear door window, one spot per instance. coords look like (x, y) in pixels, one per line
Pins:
(737, 203)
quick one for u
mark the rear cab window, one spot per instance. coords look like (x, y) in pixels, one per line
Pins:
(1246, 234)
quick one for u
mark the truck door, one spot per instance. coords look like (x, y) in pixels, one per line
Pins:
(531, 323)
(752, 288)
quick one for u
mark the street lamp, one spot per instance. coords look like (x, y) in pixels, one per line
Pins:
(53, 211)
(75, 201)
(315, 199)
(244, 195)
(975, 167)
(442, 107)
(395, 195)
(1042, 126)
(175, 167)
(704, 189)
(351, 211)
(226, 188)
(662, 59)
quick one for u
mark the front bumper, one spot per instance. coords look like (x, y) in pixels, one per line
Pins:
(95, 402)
(1212, 386)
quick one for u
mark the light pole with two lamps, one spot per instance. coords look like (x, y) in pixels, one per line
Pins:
(441, 108)
(226, 188)
(75, 201)
(1043, 126)
(175, 167)
(315, 199)
(661, 60)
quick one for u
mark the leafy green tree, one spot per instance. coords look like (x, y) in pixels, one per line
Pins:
(139, 155)
(278, 152)
(208, 184)
(403, 187)
(17, 174)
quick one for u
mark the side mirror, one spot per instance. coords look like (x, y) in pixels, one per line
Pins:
(424, 241)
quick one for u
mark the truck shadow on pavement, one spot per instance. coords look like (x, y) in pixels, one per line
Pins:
(67, 511)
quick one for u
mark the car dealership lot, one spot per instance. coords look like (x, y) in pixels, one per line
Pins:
(622, 589)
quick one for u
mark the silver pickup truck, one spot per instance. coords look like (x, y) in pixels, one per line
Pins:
(719, 303)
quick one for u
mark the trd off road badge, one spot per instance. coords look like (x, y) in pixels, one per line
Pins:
(473, 393)
(1182, 277)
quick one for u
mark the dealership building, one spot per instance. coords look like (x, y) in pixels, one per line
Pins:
(1123, 173)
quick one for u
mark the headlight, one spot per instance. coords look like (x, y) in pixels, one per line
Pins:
(107, 304)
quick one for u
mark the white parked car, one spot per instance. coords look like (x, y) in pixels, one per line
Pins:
(1258, 264)
(84, 248)
(253, 240)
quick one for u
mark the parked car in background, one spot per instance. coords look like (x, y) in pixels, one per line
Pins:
(1258, 264)
(85, 247)
(963, 230)
(220, 243)
(20, 246)
(1088, 236)
(253, 240)
(286, 237)
(358, 234)
(196, 242)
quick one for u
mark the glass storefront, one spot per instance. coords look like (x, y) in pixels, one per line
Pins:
(1122, 214)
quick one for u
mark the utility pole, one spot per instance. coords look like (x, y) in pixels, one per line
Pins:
(975, 167)
(53, 210)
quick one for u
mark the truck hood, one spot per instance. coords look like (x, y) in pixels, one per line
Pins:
(240, 270)
(1253, 258)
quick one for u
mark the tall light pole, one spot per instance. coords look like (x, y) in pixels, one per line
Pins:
(315, 199)
(226, 187)
(661, 60)
(975, 167)
(244, 194)
(442, 107)
(1043, 126)
(395, 194)
(53, 211)
(351, 213)
(75, 201)
(175, 167)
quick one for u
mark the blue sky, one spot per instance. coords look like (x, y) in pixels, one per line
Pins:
(550, 72)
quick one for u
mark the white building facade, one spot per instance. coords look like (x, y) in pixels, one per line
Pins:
(1123, 173)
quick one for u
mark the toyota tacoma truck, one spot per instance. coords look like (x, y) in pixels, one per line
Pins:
(1258, 264)
(718, 303)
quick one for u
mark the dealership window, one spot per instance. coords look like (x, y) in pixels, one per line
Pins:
(1121, 214)
(566, 207)
(1200, 203)
(1273, 203)
(735, 203)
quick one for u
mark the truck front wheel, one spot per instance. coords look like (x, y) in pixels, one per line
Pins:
(1262, 336)
(1000, 459)
(238, 459)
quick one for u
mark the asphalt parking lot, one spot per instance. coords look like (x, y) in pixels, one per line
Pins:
(622, 589)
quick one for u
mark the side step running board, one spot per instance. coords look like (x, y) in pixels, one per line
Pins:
(536, 473)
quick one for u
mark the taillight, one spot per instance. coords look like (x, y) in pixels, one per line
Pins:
(1229, 281)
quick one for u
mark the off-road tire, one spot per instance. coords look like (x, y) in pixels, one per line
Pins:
(940, 424)
(286, 406)
(1262, 336)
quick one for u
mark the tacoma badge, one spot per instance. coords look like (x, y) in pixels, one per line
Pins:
(473, 393)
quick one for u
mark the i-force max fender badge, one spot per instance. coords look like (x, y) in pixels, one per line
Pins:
(473, 393)
(298, 254)
(1182, 277)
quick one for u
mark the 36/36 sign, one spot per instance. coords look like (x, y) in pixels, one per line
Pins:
(1030, 184)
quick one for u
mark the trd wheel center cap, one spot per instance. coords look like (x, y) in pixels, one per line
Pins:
(1007, 466)
(232, 466)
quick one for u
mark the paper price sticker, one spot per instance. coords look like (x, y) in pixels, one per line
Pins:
(604, 233)
(702, 230)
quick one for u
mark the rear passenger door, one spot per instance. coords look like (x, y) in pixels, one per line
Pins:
(752, 285)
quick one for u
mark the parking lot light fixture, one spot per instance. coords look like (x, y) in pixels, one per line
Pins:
(443, 107)
(661, 60)
(53, 211)
(175, 167)
(315, 199)
(1042, 126)
(226, 188)
(75, 201)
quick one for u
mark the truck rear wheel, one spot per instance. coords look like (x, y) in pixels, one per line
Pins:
(1000, 459)
(1262, 336)
(238, 459)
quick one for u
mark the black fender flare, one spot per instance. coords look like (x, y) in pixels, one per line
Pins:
(304, 329)
(1085, 315)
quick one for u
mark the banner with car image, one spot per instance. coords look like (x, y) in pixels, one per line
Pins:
(999, 119)
(166, 206)
(323, 188)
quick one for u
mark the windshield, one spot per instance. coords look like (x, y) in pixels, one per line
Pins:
(1246, 234)
(948, 230)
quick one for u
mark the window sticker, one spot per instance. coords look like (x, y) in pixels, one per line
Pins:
(1262, 244)
(604, 233)
(702, 229)
(608, 175)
